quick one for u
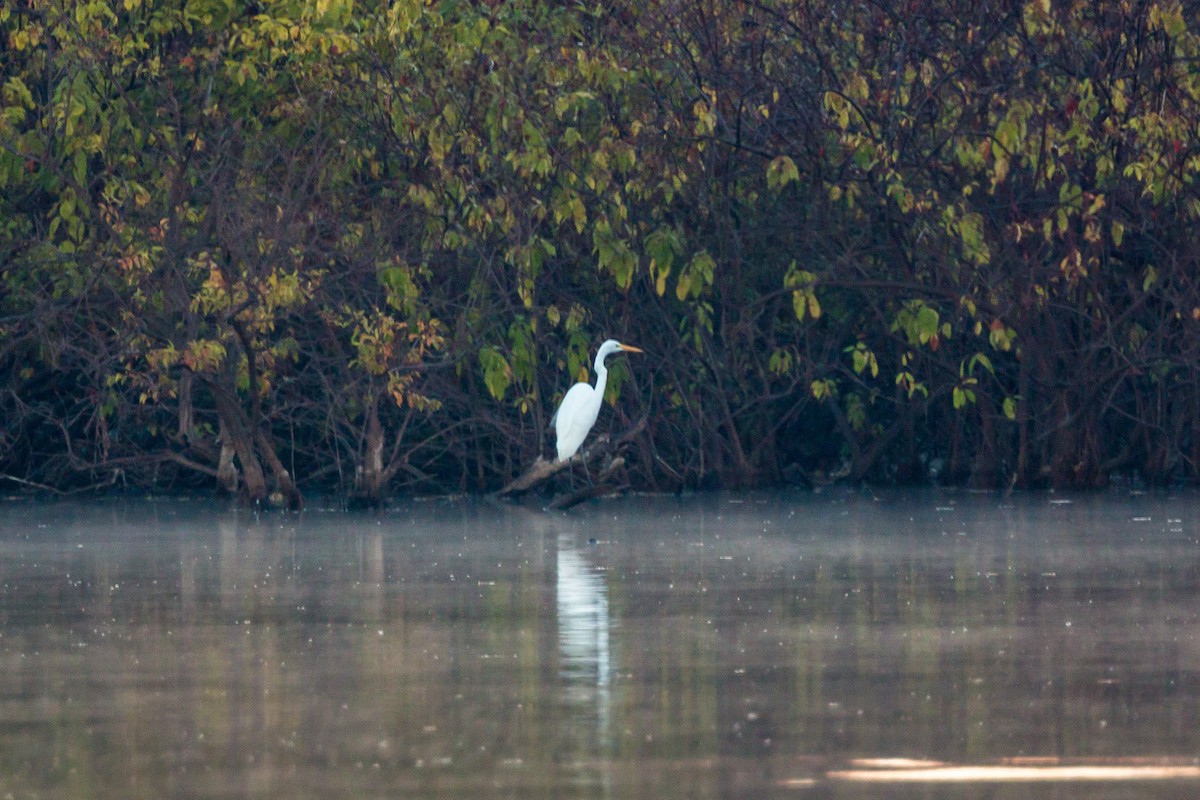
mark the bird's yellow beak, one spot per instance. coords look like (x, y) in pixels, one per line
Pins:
(631, 349)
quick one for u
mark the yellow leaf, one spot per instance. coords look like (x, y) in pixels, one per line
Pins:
(814, 306)
(781, 171)
(682, 286)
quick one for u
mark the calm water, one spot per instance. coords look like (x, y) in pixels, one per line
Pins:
(799, 645)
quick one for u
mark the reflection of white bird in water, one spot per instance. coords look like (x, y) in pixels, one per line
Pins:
(579, 408)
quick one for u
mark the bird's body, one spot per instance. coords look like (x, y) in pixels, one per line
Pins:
(581, 405)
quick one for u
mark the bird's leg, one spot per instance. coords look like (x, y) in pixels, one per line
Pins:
(587, 473)
(578, 459)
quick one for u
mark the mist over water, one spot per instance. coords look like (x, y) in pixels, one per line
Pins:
(933, 644)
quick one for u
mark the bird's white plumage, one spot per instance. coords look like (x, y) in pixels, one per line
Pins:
(576, 416)
(581, 405)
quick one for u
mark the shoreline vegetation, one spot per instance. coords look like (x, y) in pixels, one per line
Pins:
(295, 247)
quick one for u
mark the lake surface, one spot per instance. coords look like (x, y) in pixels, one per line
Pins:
(837, 645)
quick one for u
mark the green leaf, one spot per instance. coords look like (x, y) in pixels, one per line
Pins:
(979, 359)
(1001, 336)
(800, 304)
(804, 296)
(663, 248)
(497, 375)
(696, 276)
(838, 108)
(863, 359)
(927, 323)
(823, 389)
(781, 171)
(683, 286)
(1150, 279)
(780, 362)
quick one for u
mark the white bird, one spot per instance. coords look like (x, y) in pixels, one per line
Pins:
(581, 405)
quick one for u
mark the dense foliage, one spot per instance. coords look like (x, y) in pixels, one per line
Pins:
(296, 244)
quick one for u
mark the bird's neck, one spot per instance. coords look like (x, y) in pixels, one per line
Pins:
(601, 377)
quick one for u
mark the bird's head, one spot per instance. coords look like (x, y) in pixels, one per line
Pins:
(613, 346)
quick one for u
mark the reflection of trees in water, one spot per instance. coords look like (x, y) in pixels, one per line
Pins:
(893, 637)
(243, 656)
(203, 654)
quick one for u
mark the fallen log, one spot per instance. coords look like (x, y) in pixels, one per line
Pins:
(596, 488)
(543, 469)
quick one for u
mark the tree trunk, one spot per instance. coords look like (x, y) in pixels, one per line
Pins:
(186, 412)
(1194, 419)
(252, 446)
(235, 433)
(227, 473)
(1075, 462)
(1022, 477)
(286, 494)
(369, 479)
(984, 470)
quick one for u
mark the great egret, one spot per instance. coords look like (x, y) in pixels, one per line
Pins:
(579, 408)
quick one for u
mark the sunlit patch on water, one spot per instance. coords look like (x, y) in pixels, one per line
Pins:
(1023, 770)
